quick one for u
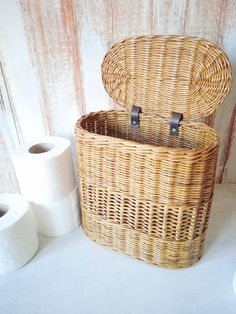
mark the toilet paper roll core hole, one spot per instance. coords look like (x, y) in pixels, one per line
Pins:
(41, 148)
(3, 209)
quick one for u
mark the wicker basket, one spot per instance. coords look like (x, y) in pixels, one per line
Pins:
(146, 189)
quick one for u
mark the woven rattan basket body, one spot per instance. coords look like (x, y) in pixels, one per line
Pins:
(144, 192)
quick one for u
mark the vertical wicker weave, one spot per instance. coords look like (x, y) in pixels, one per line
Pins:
(144, 192)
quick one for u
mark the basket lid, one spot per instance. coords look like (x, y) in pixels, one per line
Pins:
(165, 74)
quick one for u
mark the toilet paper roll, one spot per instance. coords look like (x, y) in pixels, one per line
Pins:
(45, 173)
(18, 235)
(57, 217)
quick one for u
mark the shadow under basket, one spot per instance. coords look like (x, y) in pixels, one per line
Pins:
(144, 192)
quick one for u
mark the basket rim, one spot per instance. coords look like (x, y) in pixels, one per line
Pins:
(138, 145)
(110, 73)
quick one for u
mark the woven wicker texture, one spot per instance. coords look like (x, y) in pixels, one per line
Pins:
(165, 253)
(155, 172)
(144, 192)
(162, 74)
(163, 221)
(160, 190)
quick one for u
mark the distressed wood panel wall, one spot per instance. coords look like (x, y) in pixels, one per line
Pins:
(50, 57)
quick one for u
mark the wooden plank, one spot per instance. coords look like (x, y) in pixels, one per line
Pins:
(8, 137)
(58, 78)
(19, 73)
(225, 117)
(52, 33)
(8, 181)
(70, 26)
(20, 113)
(202, 19)
(215, 21)
(228, 173)
(94, 24)
(168, 17)
(131, 18)
(9, 126)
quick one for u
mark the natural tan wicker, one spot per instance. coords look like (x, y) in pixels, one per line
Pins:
(144, 192)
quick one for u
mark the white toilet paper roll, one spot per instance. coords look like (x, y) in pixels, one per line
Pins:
(18, 235)
(57, 217)
(45, 173)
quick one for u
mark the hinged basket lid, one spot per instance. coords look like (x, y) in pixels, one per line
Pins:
(162, 74)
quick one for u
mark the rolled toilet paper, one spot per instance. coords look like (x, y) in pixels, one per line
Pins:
(45, 173)
(57, 217)
(18, 235)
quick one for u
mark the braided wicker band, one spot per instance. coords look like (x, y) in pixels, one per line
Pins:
(165, 253)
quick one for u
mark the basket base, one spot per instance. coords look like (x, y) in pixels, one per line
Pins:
(168, 254)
